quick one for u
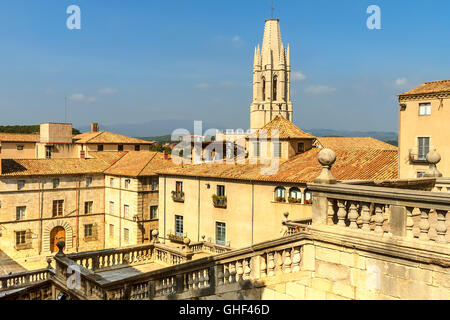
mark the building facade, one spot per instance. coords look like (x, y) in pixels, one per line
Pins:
(423, 124)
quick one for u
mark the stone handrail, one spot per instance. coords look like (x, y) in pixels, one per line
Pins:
(23, 279)
(442, 185)
(205, 275)
(382, 211)
(204, 246)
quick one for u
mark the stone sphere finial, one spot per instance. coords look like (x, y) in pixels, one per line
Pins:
(155, 236)
(433, 158)
(286, 216)
(61, 245)
(186, 241)
(327, 158)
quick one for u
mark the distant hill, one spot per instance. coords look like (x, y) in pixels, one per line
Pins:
(33, 129)
(160, 139)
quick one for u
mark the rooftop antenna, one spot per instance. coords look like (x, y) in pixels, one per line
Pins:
(65, 109)
(272, 9)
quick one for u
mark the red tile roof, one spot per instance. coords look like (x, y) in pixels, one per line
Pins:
(286, 129)
(105, 137)
(430, 87)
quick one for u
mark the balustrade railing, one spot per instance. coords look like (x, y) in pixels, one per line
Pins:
(24, 279)
(384, 211)
(297, 226)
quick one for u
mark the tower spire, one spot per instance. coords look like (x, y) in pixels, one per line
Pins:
(272, 8)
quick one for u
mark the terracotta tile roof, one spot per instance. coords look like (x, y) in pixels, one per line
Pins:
(286, 129)
(430, 87)
(105, 137)
(140, 163)
(350, 143)
(45, 167)
(373, 164)
(16, 137)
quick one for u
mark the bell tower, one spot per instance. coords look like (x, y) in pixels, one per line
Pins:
(271, 78)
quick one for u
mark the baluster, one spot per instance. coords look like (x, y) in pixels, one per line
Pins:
(441, 227)
(424, 224)
(262, 266)
(270, 264)
(206, 278)
(226, 273)
(220, 275)
(190, 281)
(409, 222)
(379, 219)
(240, 271)
(201, 279)
(365, 215)
(353, 215)
(196, 280)
(247, 269)
(279, 262)
(330, 213)
(342, 213)
(296, 258)
(287, 261)
(232, 272)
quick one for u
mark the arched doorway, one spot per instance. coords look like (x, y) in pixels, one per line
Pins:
(56, 235)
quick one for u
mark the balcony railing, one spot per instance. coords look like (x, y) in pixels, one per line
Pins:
(416, 156)
(24, 279)
(178, 196)
(219, 201)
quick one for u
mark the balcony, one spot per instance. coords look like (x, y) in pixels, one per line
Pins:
(219, 201)
(178, 196)
(177, 237)
(419, 157)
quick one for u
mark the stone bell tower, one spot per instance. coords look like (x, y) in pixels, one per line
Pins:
(271, 78)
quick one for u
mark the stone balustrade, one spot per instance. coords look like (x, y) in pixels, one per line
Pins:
(24, 279)
(442, 185)
(383, 211)
(208, 247)
(296, 226)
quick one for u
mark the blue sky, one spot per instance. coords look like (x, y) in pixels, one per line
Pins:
(136, 61)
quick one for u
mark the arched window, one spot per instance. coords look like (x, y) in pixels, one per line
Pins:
(280, 194)
(308, 197)
(295, 195)
(275, 82)
(264, 89)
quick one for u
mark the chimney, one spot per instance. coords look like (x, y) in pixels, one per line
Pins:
(82, 154)
(94, 127)
(166, 155)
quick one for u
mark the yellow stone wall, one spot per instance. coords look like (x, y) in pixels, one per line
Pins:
(9, 150)
(200, 215)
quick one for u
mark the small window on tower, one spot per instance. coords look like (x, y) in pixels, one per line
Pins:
(264, 89)
(275, 82)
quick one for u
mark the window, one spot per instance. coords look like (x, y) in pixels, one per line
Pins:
(275, 82)
(111, 182)
(20, 213)
(308, 197)
(280, 194)
(137, 148)
(221, 191)
(88, 230)
(111, 207)
(20, 147)
(179, 187)
(126, 235)
(423, 148)
(58, 206)
(88, 207)
(295, 195)
(301, 147)
(126, 210)
(120, 148)
(20, 184)
(48, 152)
(420, 174)
(277, 149)
(424, 109)
(221, 233)
(127, 183)
(55, 183)
(179, 231)
(100, 147)
(153, 212)
(264, 89)
(21, 237)
(111, 231)
(154, 184)
(88, 181)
